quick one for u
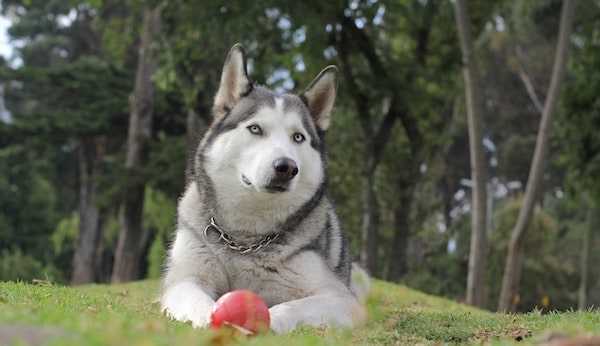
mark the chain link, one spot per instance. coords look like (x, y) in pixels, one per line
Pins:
(222, 235)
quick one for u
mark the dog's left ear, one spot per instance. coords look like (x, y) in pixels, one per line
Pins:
(320, 97)
(234, 81)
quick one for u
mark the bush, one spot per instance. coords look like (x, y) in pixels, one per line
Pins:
(15, 265)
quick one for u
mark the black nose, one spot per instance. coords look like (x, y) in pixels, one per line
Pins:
(285, 168)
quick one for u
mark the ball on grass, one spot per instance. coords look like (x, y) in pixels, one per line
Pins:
(243, 310)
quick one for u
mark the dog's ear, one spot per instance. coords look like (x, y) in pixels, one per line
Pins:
(234, 81)
(320, 97)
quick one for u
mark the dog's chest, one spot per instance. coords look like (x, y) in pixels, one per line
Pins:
(267, 275)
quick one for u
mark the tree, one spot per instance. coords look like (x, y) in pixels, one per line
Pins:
(398, 149)
(474, 101)
(382, 74)
(66, 101)
(593, 221)
(132, 235)
(514, 257)
(92, 217)
(383, 86)
(375, 136)
(578, 130)
(28, 202)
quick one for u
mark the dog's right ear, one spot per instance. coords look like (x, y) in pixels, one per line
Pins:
(234, 81)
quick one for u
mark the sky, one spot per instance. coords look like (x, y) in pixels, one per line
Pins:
(6, 52)
(5, 47)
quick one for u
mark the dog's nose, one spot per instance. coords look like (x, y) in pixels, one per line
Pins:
(285, 168)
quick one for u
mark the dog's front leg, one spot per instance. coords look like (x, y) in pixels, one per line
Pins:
(334, 309)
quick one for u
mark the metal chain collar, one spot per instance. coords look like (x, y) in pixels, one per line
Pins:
(222, 235)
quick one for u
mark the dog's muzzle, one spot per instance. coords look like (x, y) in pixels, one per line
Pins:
(285, 168)
(285, 171)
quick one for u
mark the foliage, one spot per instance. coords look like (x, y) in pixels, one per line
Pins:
(55, 111)
(15, 265)
(160, 216)
(166, 166)
(78, 62)
(580, 121)
(550, 272)
(28, 203)
(84, 98)
(66, 234)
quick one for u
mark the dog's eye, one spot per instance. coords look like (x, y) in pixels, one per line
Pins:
(255, 130)
(298, 137)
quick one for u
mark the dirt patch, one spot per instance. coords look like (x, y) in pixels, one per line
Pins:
(32, 335)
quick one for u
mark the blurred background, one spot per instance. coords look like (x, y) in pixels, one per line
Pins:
(102, 101)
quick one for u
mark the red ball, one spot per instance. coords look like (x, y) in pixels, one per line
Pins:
(242, 309)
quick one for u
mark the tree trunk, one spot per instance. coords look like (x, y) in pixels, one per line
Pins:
(396, 263)
(585, 253)
(370, 225)
(514, 257)
(376, 137)
(92, 218)
(132, 235)
(370, 204)
(478, 251)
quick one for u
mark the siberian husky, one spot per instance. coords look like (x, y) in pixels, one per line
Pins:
(255, 214)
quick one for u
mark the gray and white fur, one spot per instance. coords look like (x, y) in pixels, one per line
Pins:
(255, 214)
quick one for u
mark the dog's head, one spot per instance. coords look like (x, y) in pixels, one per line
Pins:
(266, 144)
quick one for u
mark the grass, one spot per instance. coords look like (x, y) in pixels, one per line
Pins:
(34, 314)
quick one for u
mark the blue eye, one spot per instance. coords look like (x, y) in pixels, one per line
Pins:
(298, 137)
(255, 130)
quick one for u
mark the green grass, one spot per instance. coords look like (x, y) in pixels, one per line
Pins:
(128, 315)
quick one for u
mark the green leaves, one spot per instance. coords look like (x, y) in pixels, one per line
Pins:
(82, 98)
(579, 123)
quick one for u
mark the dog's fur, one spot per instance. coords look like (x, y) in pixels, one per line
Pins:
(259, 174)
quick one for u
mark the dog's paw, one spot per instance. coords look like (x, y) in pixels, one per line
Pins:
(198, 316)
(282, 319)
(285, 318)
(185, 302)
(200, 321)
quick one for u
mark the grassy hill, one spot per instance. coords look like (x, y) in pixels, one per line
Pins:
(34, 314)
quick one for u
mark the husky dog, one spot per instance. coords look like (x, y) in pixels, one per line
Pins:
(255, 214)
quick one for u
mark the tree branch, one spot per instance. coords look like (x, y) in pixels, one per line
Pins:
(514, 257)
(352, 34)
(530, 89)
(365, 45)
(360, 99)
(383, 133)
(424, 30)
